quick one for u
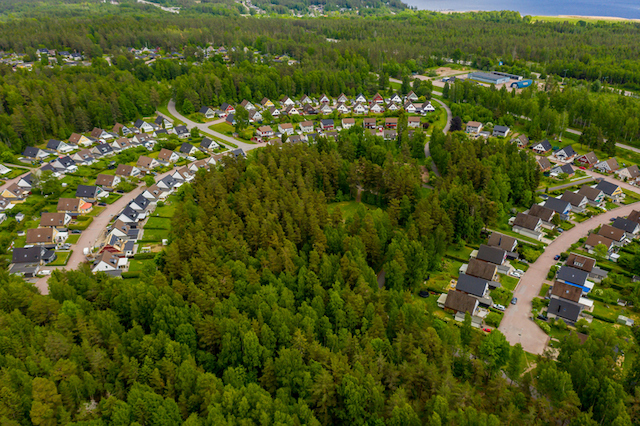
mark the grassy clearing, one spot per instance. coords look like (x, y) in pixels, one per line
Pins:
(112, 198)
(167, 210)
(350, 208)
(62, 257)
(440, 280)
(158, 223)
(155, 234)
(138, 265)
(460, 253)
(96, 211)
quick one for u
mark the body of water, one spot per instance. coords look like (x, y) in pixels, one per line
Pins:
(617, 8)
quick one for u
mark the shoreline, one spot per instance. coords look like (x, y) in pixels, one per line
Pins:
(587, 18)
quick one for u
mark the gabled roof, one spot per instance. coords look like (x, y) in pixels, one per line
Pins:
(31, 254)
(567, 150)
(580, 262)
(472, 285)
(527, 221)
(204, 110)
(40, 235)
(31, 152)
(543, 163)
(491, 254)
(480, 269)
(500, 129)
(53, 144)
(104, 148)
(327, 122)
(165, 154)
(69, 204)
(589, 158)
(124, 170)
(589, 192)
(144, 161)
(557, 205)
(565, 309)
(502, 241)
(52, 219)
(181, 130)
(87, 191)
(545, 144)
(186, 148)
(616, 234)
(565, 168)
(625, 224)
(634, 216)
(595, 239)
(612, 163)
(208, 143)
(544, 213)
(633, 171)
(607, 187)
(573, 275)
(573, 198)
(141, 201)
(460, 302)
(105, 180)
(566, 291)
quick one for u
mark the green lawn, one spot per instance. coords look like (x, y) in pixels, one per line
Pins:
(62, 258)
(158, 222)
(165, 111)
(20, 241)
(508, 282)
(73, 238)
(544, 290)
(630, 197)
(15, 172)
(96, 211)
(138, 265)
(459, 253)
(166, 210)
(440, 280)
(155, 234)
(112, 198)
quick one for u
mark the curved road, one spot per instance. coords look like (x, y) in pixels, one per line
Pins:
(204, 128)
(516, 324)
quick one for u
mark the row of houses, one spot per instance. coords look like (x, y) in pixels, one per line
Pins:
(620, 233)
(477, 278)
(475, 128)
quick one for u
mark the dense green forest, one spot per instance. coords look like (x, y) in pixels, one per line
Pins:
(265, 309)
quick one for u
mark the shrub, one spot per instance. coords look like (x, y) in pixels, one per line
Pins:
(143, 256)
(543, 325)
(552, 272)
(133, 274)
(493, 319)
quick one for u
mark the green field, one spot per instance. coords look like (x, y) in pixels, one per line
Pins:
(508, 282)
(155, 234)
(73, 238)
(158, 222)
(62, 258)
(138, 265)
(350, 208)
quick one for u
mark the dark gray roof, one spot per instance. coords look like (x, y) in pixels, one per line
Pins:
(87, 191)
(31, 255)
(66, 161)
(139, 123)
(526, 221)
(130, 213)
(544, 213)
(327, 122)
(607, 187)
(557, 205)
(104, 148)
(472, 285)
(31, 151)
(186, 148)
(573, 198)
(141, 201)
(491, 254)
(206, 143)
(204, 110)
(460, 302)
(545, 143)
(53, 144)
(568, 151)
(238, 152)
(565, 309)
(572, 275)
(625, 224)
(565, 168)
(128, 246)
(500, 129)
(168, 181)
(180, 130)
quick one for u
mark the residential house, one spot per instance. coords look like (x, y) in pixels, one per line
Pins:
(575, 277)
(391, 122)
(4, 170)
(594, 239)
(84, 156)
(503, 242)
(145, 163)
(56, 220)
(163, 122)
(183, 175)
(501, 131)
(34, 153)
(413, 122)
(275, 112)
(392, 107)
(473, 285)
(285, 128)
(581, 262)
(121, 129)
(563, 208)
(306, 126)
(565, 154)
(182, 132)
(595, 196)
(59, 146)
(485, 270)
(375, 108)
(154, 193)
(491, 254)
(78, 139)
(266, 103)
(167, 182)
(306, 100)
(617, 235)
(396, 99)
(544, 213)
(287, 101)
(209, 145)
(101, 134)
(109, 262)
(129, 215)
(142, 138)
(412, 96)
(359, 109)
(255, 116)
(607, 166)
(238, 153)
(342, 108)
(369, 123)
(528, 225)
(37, 255)
(587, 160)
(558, 170)
(143, 126)
(473, 127)
(544, 164)
(102, 150)
(228, 108)
(611, 190)
(121, 144)
(390, 134)
(108, 182)
(14, 193)
(628, 173)
(542, 147)
(565, 309)
(208, 112)
(458, 301)
(326, 124)
(342, 98)
(325, 109)
(230, 119)
(89, 193)
(168, 156)
(126, 170)
(578, 201)
(377, 99)
(44, 236)
(522, 141)
(26, 182)
(324, 99)
(291, 110)
(70, 205)
(188, 149)
(264, 132)
(348, 123)
(634, 216)
(140, 203)
(630, 227)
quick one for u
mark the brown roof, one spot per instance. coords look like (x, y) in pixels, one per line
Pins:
(610, 232)
(634, 216)
(75, 138)
(165, 154)
(15, 190)
(474, 124)
(480, 269)
(572, 198)
(108, 257)
(96, 132)
(503, 241)
(633, 171)
(144, 161)
(526, 221)
(391, 120)
(613, 164)
(590, 157)
(566, 291)
(411, 119)
(286, 125)
(544, 213)
(595, 239)
(581, 262)
(370, 120)
(460, 302)
(124, 170)
(123, 142)
(69, 204)
(306, 124)
(105, 180)
(544, 163)
(589, 192)
(117, 128)
(52, 219)
(349, 120)
(39, 235)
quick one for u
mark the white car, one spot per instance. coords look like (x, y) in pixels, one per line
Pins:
(45, 272)
(499, 307)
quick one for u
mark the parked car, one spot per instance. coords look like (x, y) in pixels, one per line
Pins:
(76, 231)
(556, 257)
(486, 330)
(560, 230)
(423, 293)
(499, 307)
(120, 191)
(514, 300)
(102, 204)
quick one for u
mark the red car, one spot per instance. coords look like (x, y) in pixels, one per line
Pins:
(488, 330)
(582, 168)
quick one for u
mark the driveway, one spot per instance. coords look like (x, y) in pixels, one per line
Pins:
(89, 236)
(516, 324)
(204, 128)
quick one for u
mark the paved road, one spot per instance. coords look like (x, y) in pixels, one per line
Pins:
(93, 232)
(10, 182)
(427, 152)
(516, 324)
(618, 145)
(204, 128)
(568, 185)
